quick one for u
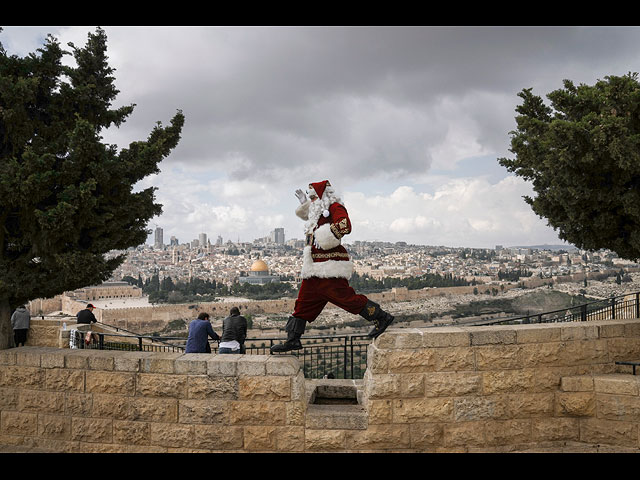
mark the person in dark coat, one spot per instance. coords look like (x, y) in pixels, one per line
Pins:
(234, 333)
(20, 324)
(199, 331)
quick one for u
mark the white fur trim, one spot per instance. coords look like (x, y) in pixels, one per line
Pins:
(303, 210)
(324, 237)
(326, 269)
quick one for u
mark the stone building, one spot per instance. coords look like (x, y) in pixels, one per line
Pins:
(259, 274)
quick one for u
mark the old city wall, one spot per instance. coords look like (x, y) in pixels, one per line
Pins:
(544, 387)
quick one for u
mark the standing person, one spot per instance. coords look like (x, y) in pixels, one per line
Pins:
(86, 315)
(234, 333)
(326, 267)
(20, 324)
(199, 331)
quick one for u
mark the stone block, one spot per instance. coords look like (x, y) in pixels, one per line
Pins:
(258, 413)
(290, 439)
(282, 365)
(111, 406)
(41, 401)
(494, 357)
(204, 386)
(579, 331)
(172, 434)
(423, 410)
(508, 432)
(115, 383)
(192, 363)
(507, 381)
(324, 440)
(491, 335)
(430, 360)
(536, 334)
(622, 408)
(64, 380)
(78, 404)
(619, 384)
(467, 409)
(464, 434)
(8, 357)
(8, 399)
(450, 384)
(260, 438)
(542, 354)
(102, 360)
(221, 365)
(581, 383)
(264, 388)
(92, 430)
(129, 361)
(252, 365)
(406, 338)
(154, 409)
(426, 435)
(218, 437)
(526, 405)
(54, 426)
(19, 423)
(53, 359)
(157, 385)
(585, 352)
(380, 411)
(609, 432)
(159, 363)
(392, 438)
(555, 429)
(203, 411)
(131, 433)
(439, 337)
(336, 417)
(575, 404)
(76, 358)
(21, 377)
(28, 356)
(611, 330)
(295, 413)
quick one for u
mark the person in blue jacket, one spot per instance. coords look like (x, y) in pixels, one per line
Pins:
(200, 330)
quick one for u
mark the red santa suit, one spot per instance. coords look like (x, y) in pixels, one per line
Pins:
(326, 266)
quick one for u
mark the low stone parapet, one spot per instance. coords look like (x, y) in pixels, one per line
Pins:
(509, 388)
(101, 401)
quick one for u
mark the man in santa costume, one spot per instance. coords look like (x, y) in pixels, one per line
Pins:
(326, 267)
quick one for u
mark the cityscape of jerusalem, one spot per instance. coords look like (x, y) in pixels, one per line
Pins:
(545, 277)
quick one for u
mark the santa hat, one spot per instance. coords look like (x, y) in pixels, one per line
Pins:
(318, 188)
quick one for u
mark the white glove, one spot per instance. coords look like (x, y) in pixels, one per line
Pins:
(302, 197)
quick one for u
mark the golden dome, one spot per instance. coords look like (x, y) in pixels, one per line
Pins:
(259, 266)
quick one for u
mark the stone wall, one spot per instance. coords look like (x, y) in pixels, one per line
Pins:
(543, 387)
(505, 388)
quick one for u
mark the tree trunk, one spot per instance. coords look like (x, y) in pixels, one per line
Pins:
(6, 332)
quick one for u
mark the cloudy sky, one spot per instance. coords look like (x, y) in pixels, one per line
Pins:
(407, 123)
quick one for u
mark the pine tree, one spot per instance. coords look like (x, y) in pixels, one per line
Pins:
(66, 198)
(582, 155)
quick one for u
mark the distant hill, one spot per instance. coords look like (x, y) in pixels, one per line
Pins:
(554, 248)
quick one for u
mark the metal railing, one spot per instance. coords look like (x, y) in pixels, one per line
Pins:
(339, 356)
(622, 306)
(345, 356)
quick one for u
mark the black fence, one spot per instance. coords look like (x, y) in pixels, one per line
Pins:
(340, 356)
(622, 306)
(345, 356)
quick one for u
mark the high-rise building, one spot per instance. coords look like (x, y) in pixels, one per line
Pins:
(174, 240)
(277, 236)
(158, 244)
(219, 240)
(202, 239)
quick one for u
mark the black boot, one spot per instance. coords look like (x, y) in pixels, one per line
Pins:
(294, 328)
(381, 319)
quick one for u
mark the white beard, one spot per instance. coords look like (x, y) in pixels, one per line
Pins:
(316, 208)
